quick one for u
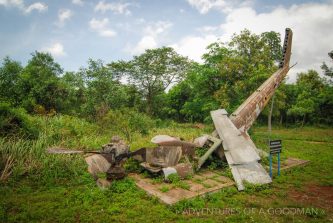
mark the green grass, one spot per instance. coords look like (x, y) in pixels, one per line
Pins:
(57, 188)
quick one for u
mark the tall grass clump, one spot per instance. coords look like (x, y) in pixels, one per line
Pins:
(127, 122)
(16, 122)
(25, 157)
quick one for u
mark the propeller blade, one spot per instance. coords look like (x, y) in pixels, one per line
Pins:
(56, 150)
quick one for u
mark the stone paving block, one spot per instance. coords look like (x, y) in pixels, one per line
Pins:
(175, 194)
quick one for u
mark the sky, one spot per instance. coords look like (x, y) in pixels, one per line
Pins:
(75, 30)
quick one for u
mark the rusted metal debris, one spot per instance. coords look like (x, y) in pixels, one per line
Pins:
(108, 160)
(172, 155)
(240, 151)
(249, 110)
(188, 148)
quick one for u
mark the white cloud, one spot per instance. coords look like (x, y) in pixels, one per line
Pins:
(77, 2)
(101, 27)
(116, 7)
(12, 3)
(38, 6)
(311, 24)
(157, 28)
(146, 42)
(57, 50)
(194, 46)
(208, 29)
(63, 16)
(204, 6)
(151, 35)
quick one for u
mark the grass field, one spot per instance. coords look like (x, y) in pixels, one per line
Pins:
(45, 188)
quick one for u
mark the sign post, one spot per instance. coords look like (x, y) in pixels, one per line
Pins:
(275, 147)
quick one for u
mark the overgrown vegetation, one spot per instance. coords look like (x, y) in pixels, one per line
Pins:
(230, 72)
(58, 188)
(41, 106)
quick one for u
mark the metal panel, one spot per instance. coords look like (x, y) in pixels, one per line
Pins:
(240, 149)
(240, 153)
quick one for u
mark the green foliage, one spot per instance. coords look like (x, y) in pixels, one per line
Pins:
(9, 76)
(103, 90)
(152, 72)
(127, 121)
(328, 71)
(58, 188)
(165, 189)
(121, 186)
(309, 86)
(174, 178)
(230, 73)
(39, 84)
(166, 85)
(14, 121)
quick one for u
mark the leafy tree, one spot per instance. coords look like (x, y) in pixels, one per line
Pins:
(328, 71)
(273, 41)
(76, 89)
(248, 65)
(15, 121)
(325, 113)
(9, 76)
(127, 121)
(230, 73)
(309, 86)
(104, 90)
(39, 86)
(153, 72)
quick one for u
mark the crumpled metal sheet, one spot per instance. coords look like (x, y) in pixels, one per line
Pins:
(200, 141)
(188, 148)
(167, 171)
(163, 156)
(116, 147)
(157, 158)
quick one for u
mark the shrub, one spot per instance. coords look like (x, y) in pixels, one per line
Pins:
(127, 122)
(15, 121)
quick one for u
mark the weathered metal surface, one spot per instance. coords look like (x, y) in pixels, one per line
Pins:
(165, 140)
(249, 172)
(216, 143)
(164, 156)
(233, 143)
(152, 169)
(248, 112)
(167, 171)
(58, 150)
(162, 138)
(115, 173)
(116, 150)
(200, 141)
(160, 157)
(241, 155)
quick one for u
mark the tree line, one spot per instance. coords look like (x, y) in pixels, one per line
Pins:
(165, 85)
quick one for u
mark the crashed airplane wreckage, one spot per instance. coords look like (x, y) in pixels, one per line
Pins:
(230, 142)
